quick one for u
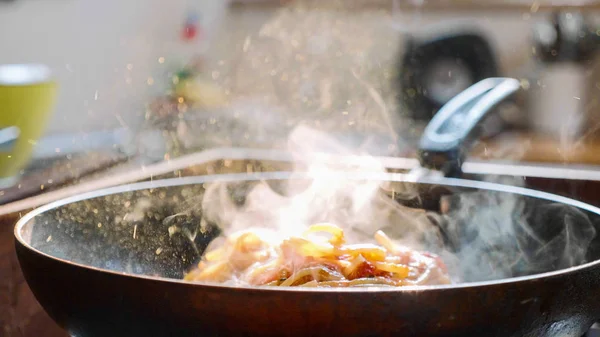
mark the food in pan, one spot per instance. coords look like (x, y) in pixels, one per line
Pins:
(253, 258)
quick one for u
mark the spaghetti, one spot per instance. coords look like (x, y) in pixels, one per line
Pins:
(249, 258)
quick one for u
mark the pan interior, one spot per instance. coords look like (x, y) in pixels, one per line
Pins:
(161, 229)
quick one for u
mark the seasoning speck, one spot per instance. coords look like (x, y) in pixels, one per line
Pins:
(158, 251)
(172, 230)
(99, 224)
(134, 231)
(49, 238)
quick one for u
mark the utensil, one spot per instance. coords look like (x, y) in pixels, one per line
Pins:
(448, 136)
(98, 275)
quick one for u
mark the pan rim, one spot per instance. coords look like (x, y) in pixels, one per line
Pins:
(287, 175)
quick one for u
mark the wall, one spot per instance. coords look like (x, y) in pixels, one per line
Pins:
(102, 52)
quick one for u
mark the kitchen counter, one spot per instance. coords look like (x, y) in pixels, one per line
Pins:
(20, 314)
(525, 147)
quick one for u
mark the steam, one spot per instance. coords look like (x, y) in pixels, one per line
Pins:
(326, 196)
(502, 235)
(481, 235)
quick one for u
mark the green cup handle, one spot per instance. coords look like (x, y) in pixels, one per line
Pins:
(8, 138)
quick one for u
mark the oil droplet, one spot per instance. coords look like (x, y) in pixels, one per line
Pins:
(99, 224)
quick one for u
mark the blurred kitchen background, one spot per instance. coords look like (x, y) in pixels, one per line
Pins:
(158, 79)
(142, 82)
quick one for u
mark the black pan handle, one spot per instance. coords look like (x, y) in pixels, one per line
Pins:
(447, 137)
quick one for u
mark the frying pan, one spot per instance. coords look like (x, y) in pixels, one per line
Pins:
(101, 268)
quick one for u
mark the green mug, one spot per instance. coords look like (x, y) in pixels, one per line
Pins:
(27, 98)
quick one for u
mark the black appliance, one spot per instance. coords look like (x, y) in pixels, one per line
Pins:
(434, 70)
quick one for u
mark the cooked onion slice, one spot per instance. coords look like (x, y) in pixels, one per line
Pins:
(306, 275)
(248, 258)
(337, 234)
